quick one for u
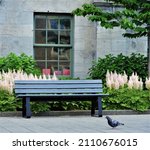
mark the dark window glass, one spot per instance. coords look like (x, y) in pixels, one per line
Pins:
(52, 44)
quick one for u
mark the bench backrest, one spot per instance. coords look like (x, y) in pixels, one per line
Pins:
(58, 86)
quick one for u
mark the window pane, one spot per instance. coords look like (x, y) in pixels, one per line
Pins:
(41, 65)
(40, 36)
(40, 23)
(65, 68)
(52, 37)
(64, 65)
(39, 53)
(64, 37)
(52, 24)
(64, 54)
(65, 24)
(53, 66)
(52, 53)
(53, 33)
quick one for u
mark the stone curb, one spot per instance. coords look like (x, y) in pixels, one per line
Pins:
(75, 113)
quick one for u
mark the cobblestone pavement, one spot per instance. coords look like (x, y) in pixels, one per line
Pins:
(74, 124)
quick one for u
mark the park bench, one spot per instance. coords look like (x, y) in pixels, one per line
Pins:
(59, 90)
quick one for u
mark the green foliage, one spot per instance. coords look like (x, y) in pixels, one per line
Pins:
(21, 62)
(70, 105)
(138, 100)
(125, 98)
(134, 15)
(37, 107)
(120, 63)
(118, 99)
(67, 78)
(7, 101)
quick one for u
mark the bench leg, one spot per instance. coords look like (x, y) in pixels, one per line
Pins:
(93, 107)
(100, 107)
(23, 107)
(26, 108)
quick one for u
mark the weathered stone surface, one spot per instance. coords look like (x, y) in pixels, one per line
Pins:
(90, 40)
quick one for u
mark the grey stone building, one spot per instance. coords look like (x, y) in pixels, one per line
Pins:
(56, 39)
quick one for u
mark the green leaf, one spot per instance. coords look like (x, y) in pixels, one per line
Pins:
(134, 14)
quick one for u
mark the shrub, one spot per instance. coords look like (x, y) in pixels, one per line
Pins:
(126, 92)
(7, 101)
(125, 98)
(119, 63)
(37, 107)
(21, 62)
(73, 105)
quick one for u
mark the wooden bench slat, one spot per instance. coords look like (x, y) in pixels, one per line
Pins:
(60, 95)
(57, 81)
(58, 91)
(56, 86)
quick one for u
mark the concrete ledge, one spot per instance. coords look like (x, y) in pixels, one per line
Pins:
(10, 114)
(75, 113)
(124, 112)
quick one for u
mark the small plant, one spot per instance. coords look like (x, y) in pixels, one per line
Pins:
(7, 101)
(125, 98)
(37, 107)
(147, 83)
(73, 105)
(19, 62)
(121, 64)
(116, 81)
(7, 78)
(126, 92)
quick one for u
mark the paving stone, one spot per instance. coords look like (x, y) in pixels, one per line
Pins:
(75, 124)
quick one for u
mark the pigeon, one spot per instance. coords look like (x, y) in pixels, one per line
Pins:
(113, 123)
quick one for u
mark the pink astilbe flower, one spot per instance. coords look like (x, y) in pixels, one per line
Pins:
(121, 80)
(7, 78)
(107, 74)
(147, 83)
(135, 82)
(40, 77)
(44, 77)
(31, 77)
(115, 81)
(54, 77)
(49, 77)
(125, 77)
(140, 84)
(109, 83)
(115, 75)
(35, 77)
(116, 85)
(4, 84)
(130, 84)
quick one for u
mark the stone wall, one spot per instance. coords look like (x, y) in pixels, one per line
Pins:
(16, 29)
(90, 40)
(112, 42)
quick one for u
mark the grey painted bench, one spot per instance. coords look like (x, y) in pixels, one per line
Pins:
(59, 90)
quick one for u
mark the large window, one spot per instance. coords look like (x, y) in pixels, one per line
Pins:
(53, 43)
